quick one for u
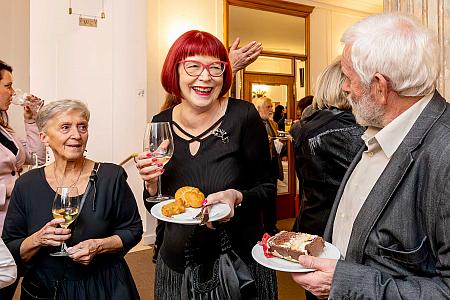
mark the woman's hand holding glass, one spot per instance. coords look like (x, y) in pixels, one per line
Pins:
(158, 144)
(150, 168)
(51, 234)
(30, 103)
(66, 207)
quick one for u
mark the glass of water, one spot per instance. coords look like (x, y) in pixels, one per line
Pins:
(25, 99)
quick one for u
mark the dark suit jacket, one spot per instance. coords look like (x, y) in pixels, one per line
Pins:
(275, 157)
(400, 243)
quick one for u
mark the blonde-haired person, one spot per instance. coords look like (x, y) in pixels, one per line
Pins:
(264, 107)
(329, 93)
(324, 147)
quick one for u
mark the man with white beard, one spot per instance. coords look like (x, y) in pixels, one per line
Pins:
(391, 216)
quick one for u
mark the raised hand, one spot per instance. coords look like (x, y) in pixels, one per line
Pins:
(242, 57)
(31, 107)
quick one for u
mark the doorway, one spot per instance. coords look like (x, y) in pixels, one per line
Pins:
(281, 71)
(280, 89)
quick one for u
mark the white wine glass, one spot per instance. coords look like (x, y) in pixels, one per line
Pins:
(158, 140)
(66, 205)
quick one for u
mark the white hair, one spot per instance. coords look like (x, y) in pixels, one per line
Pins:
(57, 107)
(260, 101)
(398, 47)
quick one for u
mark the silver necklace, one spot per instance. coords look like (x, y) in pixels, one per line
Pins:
(76, 180)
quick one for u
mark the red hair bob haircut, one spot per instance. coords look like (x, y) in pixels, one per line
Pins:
(192, 43)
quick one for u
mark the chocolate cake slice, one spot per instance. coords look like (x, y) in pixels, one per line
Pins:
(290, 245)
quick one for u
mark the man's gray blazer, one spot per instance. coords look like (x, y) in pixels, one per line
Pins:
(400, 243)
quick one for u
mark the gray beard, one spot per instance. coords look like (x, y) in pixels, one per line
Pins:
(366, 111)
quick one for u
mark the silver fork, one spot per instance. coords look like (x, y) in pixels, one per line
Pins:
(205, 217)
(199, 216)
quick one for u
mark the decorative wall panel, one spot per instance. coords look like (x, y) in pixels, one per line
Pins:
(436, 15)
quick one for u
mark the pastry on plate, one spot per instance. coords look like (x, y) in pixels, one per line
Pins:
(191, 196)
(173, 208)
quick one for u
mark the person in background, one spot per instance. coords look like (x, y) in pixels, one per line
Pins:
(15, 152)
(391, 217)
(307, 112)
(264, 107)
(221, 147)
(324, 146)
(278, 114)
(302, 104)
(107, 227)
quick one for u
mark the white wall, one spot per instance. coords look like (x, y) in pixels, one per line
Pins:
(168, 19)
(103, 66)
(15, 49)
(327, 23)
(327, 27)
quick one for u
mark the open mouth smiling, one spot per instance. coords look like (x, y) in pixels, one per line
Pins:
(202, 90)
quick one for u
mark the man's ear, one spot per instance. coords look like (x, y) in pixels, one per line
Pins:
(381, 88)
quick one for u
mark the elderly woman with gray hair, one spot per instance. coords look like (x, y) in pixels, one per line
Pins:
(107, 227)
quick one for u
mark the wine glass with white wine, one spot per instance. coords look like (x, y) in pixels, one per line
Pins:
(66, 205)
(158, 140)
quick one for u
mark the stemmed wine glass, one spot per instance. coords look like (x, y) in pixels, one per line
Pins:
(158, 140)
(66, 205)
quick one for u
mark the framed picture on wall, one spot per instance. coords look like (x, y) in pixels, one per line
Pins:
(301, 76)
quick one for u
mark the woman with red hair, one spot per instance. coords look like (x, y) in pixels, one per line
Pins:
(220, 147)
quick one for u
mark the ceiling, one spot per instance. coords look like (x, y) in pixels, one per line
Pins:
(366, 6)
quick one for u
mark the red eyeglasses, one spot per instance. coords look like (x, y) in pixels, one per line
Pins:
(194, 68)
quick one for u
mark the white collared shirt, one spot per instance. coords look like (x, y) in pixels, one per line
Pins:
(381, 145)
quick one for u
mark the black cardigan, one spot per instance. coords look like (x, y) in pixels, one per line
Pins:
(242, 163)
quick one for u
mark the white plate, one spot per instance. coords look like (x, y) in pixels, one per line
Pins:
(216, 212)
(279, 264)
